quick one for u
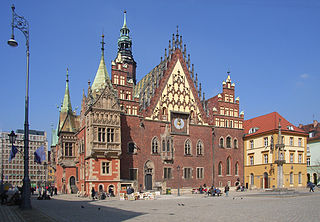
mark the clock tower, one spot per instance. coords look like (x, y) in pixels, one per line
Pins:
(123, 71)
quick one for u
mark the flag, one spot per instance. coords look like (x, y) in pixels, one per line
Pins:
(13, 152)
(40, 155)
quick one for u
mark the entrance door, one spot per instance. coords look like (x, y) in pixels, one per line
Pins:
(73, 186)
(266, 180)
(148, 181)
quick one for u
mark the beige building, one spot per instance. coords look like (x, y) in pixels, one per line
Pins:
(13, 172)
(270, 162)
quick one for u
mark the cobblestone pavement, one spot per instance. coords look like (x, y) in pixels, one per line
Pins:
(246, 206)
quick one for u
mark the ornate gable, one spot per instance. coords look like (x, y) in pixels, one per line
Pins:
(177, 93)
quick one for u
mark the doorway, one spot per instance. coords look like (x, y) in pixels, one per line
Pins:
(148, 181)
(265, 180)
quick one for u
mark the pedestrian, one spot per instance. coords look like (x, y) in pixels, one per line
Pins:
(93, 193)
(55, 191)
(226, 190)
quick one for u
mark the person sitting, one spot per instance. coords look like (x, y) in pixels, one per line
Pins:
(200, 189)
(218, 192)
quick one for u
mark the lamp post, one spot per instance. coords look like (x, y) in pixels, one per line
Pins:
(22, 24)
(2, 176)
(178, 169)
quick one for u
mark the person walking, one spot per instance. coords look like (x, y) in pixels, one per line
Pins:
(93, 193)
(226, 190)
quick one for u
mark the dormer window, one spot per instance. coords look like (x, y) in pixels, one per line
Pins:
(253, 130)
(290, 127)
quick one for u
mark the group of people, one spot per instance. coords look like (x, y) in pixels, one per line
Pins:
(101, 195)
(212, 191)
(12, 196)
(44, 193)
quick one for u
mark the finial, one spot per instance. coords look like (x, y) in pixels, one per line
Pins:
(124, 19)
(188, 61)
(173, 42)
(67, 75)
(192, 71)
(200, 89)
(196, 80)
(169, 49)
(161, 59)
(185, 51)
(203, 97)
(102, 44)
(177, 37)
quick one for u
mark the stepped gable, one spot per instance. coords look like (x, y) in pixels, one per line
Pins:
(269, 122)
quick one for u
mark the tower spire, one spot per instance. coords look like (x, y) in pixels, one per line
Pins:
(102, 45)
(102, 75)
(66, 105)
(124, 42)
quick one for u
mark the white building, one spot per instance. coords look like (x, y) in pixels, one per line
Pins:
(13, 171)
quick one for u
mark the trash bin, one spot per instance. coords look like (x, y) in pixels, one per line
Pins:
(168, 191)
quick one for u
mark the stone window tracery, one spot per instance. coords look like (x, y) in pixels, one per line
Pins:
(187, 148)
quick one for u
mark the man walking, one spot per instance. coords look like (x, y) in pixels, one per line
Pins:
(226, 190)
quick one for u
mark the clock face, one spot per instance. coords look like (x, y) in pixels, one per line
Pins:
(179, 123)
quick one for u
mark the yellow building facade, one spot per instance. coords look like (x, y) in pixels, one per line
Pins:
(262, 152)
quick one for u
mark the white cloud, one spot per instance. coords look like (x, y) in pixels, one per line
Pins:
(304, 75)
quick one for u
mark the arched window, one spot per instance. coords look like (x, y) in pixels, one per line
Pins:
(220, 169)
(155, 145)
(291, 178)
(228, 141)
(300, 178)
(187, 148)
(221, 143)
(236, 169)
(199, 148)
(228, 166)
(163, 146)
(235, 143)
(168, 145)
(252, 179)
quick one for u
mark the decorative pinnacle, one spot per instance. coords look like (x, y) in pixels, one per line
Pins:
(67, 75)
(124, 19)
(102, 44)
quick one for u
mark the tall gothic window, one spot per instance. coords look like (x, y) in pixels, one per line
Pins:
(228, 141)
(228, 166)
(220, 169)
(221, 143)
(110, 135)
(187, 148)
(235, 143)
(199, 148)
(155, 145)
(236, 169)
(163, 146)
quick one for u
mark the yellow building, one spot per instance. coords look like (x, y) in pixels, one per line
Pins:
(270, 162)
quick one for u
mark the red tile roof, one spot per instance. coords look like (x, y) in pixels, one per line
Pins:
(269, 122)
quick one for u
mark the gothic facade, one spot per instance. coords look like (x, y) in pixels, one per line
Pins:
(156, 134)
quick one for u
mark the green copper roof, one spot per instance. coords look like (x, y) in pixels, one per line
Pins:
(66, 106)
(102, 75)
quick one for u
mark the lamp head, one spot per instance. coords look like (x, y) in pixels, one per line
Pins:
(12, 42)
(12, 137)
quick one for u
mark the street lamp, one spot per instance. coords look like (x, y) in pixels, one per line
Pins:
(22, 24)
(178, 169)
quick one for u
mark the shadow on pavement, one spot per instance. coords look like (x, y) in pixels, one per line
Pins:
(81, 210)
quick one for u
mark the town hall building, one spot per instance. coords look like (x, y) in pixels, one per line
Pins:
(159, 133)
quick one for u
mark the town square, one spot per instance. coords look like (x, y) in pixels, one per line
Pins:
(159, 110)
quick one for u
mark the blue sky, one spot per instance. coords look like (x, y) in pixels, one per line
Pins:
(272, 49)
